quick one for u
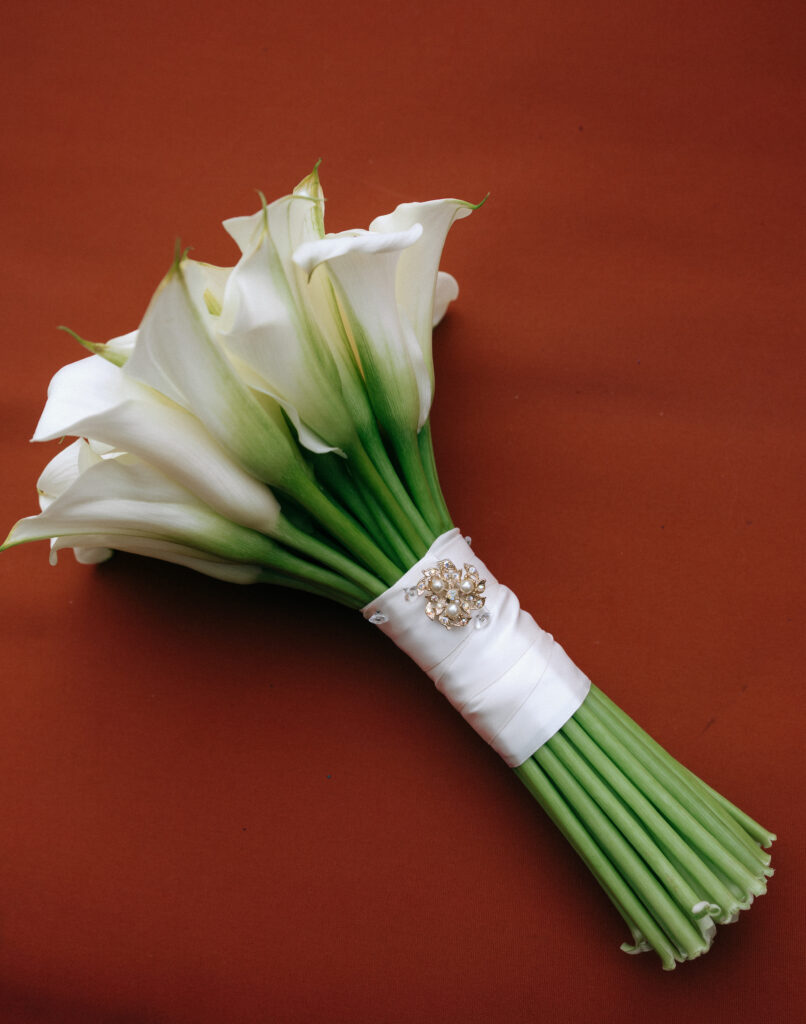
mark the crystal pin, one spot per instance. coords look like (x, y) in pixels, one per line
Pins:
(452, 596)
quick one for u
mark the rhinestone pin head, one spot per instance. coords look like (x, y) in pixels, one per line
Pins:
(452, 596)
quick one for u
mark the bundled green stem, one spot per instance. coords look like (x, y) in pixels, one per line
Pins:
(675, 858)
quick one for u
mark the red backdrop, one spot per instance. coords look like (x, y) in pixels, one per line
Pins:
(226, 804)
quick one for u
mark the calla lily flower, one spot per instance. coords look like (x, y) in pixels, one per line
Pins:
(89, 549)
(176, 355)
(94, 398)
(285, 332)
(266, 324)
(363, 266)
(420, 293)
(85, 495)
(95, 501)
(94, 548)
(392, 294)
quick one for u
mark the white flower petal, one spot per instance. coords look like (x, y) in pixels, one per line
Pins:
(278, 325)
(124, 496)
(206, 284)
(245, 231)
(363, 267)
(265, 327)
(176, 355)
(310, 255)
(419, 265)
(60, 473)
(446, 293)
(93, 548)
(122, 346)
(83, 555)
(94, 398)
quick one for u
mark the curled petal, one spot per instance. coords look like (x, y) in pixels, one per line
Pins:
(124, 496)
(417, 278)
(447, 291)
(310, 255)
(363, 268)
(94, 398)
(122, 346)
(63, 470)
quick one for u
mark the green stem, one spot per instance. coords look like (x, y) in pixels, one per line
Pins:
(743, 826)
(638, 919)
(408, 455)
(596, 806)
(658, 843)
(344, 593)
(376, 450)
(744, 822)
(344, 529)
(273, 557)
(403, 554)
(365, 470)
(693, 818)
(334, 473)
(329, 556)
(426, 446)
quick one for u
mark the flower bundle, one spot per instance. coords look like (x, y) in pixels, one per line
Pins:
(270, 423)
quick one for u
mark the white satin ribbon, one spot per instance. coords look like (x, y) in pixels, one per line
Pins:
(510, 680)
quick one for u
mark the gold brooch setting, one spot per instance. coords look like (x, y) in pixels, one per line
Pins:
(452, 596)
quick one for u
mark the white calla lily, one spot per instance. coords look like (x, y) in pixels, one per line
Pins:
(200, 394)
(97, 501)
(125, 497)
(89, 549)
(417, 278)
(176, 355)
(94, 398)
(363, 267)
(266, 325)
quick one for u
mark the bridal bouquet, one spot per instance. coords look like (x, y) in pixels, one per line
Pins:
(270, 423)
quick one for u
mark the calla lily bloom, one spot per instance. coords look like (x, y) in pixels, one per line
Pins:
(420, 292)
(124, 495)
(61, 474)
(266, 324)
(95, 398)
(363, 266)
(176, 355)
(99, 501)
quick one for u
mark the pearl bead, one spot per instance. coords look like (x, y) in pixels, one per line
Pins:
(467, 586)
(452, 609)
(437, 586)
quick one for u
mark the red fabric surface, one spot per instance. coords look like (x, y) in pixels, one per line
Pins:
(232, 804)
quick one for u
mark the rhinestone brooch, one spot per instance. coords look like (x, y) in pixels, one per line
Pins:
(452, 597)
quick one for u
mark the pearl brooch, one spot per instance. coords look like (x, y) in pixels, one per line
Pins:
(452, 597)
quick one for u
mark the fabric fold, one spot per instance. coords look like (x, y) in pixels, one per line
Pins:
(507, 677)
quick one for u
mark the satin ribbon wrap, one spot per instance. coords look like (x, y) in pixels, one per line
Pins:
(510, 680)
